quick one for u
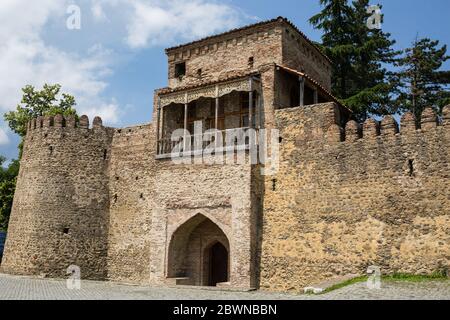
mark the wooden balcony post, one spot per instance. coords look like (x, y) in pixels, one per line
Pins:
(250, 107)
(216, 123)
(158, 119)
(186, 105)
(316, 96)
(302, 91)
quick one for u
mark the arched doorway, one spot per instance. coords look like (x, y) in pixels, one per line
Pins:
(199, 253)
(218, 264)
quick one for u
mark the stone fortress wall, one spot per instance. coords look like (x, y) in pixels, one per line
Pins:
(344, 200)
(61, 206)
(97, 198)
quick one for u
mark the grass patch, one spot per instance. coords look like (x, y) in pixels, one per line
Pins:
(345, 284)
(415, 277)
(441, 276)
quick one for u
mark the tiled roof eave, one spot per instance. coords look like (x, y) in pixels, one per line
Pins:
(165, 91)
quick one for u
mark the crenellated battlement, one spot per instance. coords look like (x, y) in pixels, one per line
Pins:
(388, 126)
(60, 121)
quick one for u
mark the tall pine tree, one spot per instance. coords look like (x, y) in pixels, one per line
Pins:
(335, 22)
(421, 84)
(360, 56)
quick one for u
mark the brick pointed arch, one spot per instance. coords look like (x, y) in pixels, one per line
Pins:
(188, 256)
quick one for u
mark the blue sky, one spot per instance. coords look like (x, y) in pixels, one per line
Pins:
(116, 60)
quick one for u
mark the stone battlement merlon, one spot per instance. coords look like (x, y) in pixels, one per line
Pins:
(388, 126)
(60, 121)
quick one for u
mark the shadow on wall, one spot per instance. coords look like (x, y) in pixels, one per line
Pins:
(2, 244)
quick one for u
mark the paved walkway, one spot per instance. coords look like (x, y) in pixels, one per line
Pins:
(25, 288)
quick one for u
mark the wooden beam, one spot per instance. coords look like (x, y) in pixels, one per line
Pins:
(158, 119)
(316, 96)
(302, 91)
(250, 105)
(216, 115)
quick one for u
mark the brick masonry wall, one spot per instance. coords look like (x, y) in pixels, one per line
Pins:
(227, 58)
(60, 212)
(151, 199)
(298, 54)
(340, 207)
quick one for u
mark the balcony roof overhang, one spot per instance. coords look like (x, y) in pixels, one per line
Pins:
(314, 83)
(213, 89)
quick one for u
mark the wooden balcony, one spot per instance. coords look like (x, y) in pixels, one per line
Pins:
(230, 140)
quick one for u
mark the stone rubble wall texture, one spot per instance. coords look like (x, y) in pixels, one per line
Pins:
(340, 207)
(132, 188)
(61, 205)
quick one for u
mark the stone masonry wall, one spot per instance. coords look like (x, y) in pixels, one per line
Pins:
(341, 206)
(131, 179)
(60, 212)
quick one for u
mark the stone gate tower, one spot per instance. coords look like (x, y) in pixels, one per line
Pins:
(136, 205)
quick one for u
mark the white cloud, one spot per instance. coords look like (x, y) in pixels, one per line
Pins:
(164, 22)
(97, 12)
(108, 111)
(27, 59)
(4, 140)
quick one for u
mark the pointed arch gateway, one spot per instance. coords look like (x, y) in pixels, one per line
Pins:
(199, 253)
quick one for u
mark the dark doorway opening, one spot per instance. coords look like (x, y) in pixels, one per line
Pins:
(218, 271)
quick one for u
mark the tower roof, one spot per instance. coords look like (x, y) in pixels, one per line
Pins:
(217, 37)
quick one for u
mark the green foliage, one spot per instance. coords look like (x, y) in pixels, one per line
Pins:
(404, 277)
(420, 82)
(345, 284)
(45, 102)
(439, 275)
(8, 178)
(359, 54)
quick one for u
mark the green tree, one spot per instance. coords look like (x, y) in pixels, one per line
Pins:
(421, 83)
(360, 55)
(370, 87)
(36, 103)
(335, 21)
(8, 178)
